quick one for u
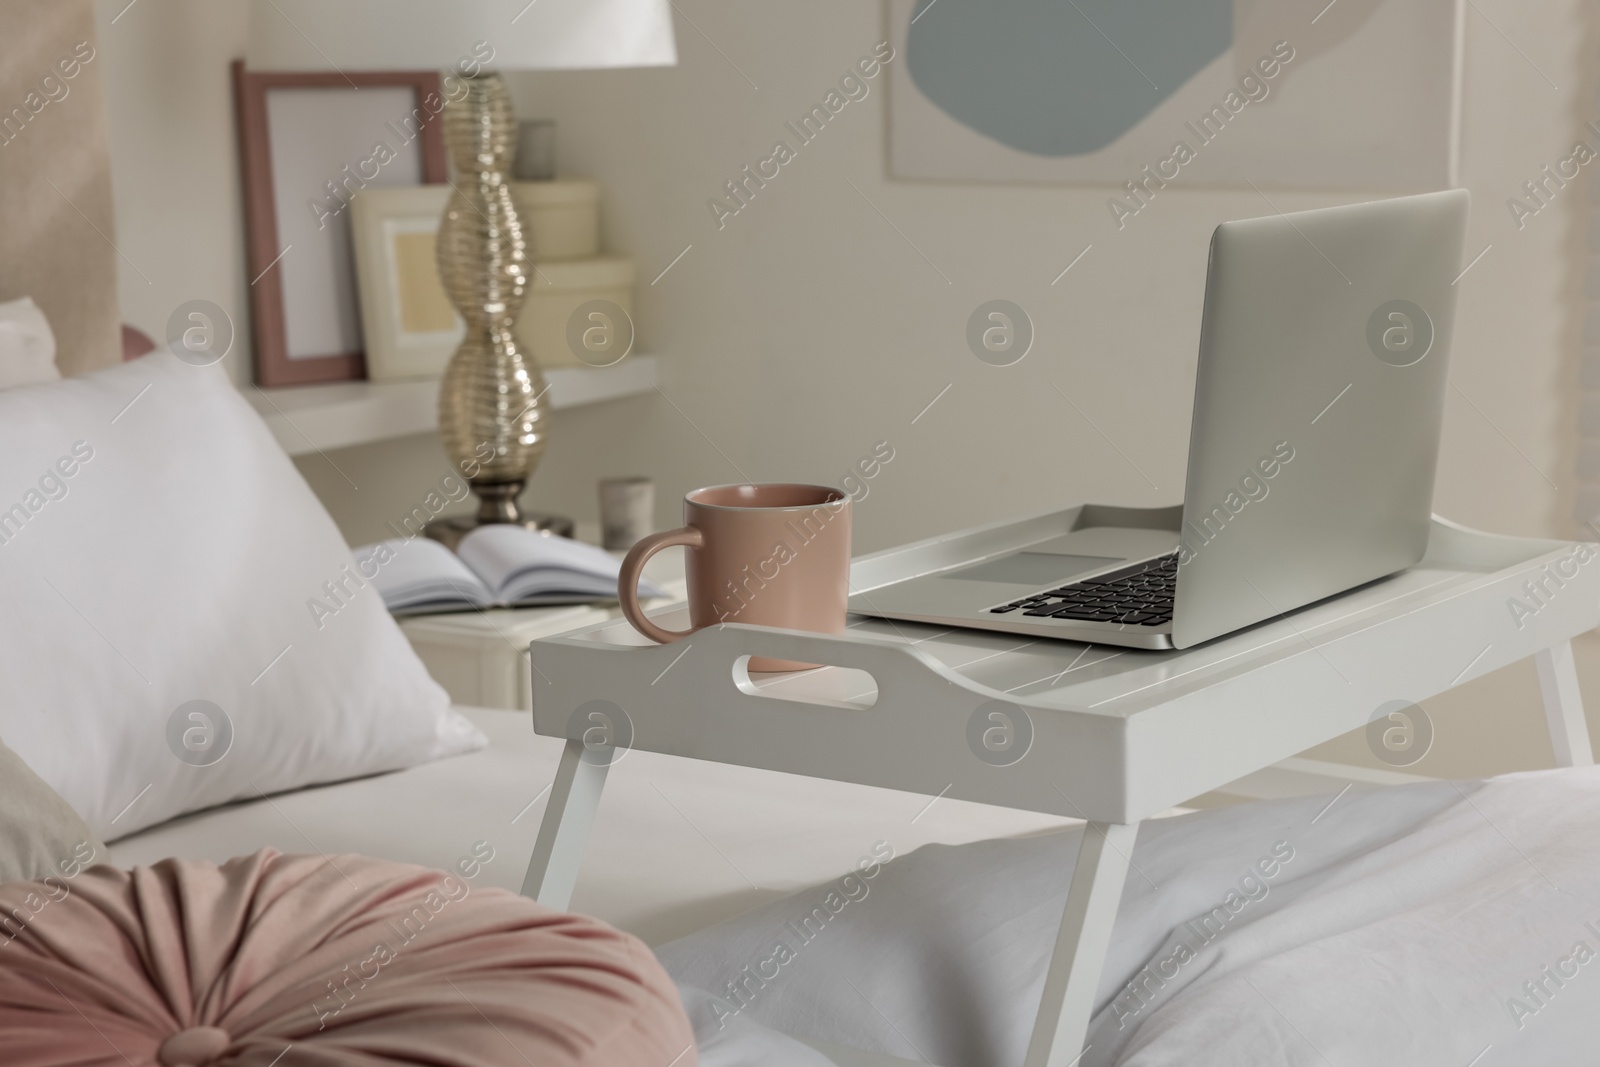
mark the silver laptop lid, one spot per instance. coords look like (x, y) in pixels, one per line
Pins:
(1318, 400)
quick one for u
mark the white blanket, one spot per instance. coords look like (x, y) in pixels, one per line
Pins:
(1417, 925)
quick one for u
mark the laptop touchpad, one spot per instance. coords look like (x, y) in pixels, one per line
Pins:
(1031, 568)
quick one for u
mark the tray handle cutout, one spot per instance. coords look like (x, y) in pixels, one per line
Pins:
(829, 686)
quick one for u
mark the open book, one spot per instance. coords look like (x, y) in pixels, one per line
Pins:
(494, 566)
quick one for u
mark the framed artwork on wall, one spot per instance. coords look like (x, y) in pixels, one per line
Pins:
(1279, 93)
(308, 143)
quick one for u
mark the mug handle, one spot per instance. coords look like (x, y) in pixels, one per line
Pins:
(633, 570)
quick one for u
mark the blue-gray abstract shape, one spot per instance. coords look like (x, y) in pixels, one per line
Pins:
(1060, 77)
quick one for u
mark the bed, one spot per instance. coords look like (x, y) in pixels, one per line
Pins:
(1450, 918)
(682, 844)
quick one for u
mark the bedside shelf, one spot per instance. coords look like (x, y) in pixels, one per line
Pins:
(307, 418)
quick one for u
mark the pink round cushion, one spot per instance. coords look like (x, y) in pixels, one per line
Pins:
(345, 960)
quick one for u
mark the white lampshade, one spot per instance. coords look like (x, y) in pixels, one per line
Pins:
(440, 34)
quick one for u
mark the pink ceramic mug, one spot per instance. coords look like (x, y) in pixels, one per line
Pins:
(770, 555)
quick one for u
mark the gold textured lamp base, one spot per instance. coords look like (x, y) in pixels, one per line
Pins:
(497, 507)
(493, 419)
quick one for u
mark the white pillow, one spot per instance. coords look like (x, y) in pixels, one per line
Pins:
(157, 548)
(1401, 925)
(27, 345)
(40, 836)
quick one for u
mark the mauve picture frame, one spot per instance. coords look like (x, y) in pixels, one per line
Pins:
(308, 140)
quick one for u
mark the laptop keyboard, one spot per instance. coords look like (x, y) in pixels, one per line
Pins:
(1140, 595)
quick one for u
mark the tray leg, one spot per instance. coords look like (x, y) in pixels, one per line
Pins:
(1563, 706)
(1073, 979)
(574, 799)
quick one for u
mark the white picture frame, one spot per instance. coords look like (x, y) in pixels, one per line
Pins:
(411, 329)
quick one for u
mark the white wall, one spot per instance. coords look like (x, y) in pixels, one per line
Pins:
(808, 329)
(175, 159)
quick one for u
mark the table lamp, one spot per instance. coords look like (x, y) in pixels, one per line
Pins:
(493, 417)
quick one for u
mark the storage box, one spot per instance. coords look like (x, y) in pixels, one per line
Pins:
(552, 329)
(560, 218)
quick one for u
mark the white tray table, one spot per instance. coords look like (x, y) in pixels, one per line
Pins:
(1112, 736)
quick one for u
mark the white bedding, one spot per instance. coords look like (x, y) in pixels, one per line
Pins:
(1398, 926)
(1418, 925)
(678, 845)
(156, 668)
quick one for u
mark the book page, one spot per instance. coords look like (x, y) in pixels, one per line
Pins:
(517, 563)
(419, 573)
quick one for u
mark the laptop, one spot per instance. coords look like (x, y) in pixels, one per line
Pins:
(1324, 351)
